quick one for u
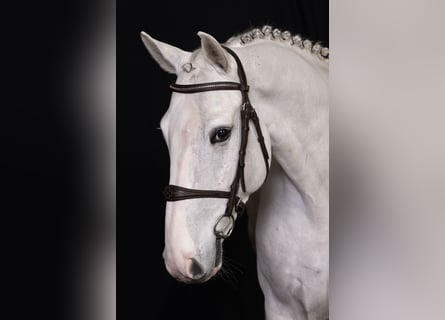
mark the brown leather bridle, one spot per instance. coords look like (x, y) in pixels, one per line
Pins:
(225, 223)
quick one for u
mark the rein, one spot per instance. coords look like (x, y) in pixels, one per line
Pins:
(225, 223)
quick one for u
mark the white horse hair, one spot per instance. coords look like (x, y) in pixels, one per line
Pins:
(288, 214)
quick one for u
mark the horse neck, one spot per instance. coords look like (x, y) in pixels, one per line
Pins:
(290, 93)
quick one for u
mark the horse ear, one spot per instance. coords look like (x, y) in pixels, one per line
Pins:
(213, 51)
(167, 56)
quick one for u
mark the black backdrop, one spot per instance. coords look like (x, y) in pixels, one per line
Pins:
(144, 288)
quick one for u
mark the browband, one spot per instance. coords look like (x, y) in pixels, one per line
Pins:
(208, 86)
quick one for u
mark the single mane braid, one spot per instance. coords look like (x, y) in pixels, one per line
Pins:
(275, 34)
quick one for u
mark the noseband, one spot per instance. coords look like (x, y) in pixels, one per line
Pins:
(225, 223)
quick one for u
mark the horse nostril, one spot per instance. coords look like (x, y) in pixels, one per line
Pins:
(196, 269)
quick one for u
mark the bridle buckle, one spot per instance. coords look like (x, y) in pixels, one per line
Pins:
(224, 226)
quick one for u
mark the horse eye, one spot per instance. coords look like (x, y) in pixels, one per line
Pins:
(220, 135)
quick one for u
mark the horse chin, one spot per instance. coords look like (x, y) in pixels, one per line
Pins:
(206, 277)
(187, 275)
(181, 277)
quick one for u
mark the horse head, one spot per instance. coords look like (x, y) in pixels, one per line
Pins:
(203, 132)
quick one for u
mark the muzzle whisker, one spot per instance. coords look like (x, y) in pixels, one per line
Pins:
(229, 278)
(235, 265)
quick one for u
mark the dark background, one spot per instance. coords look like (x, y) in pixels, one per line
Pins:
(52, 212)
(145, 290)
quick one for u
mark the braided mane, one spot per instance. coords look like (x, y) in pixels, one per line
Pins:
(275, 34)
